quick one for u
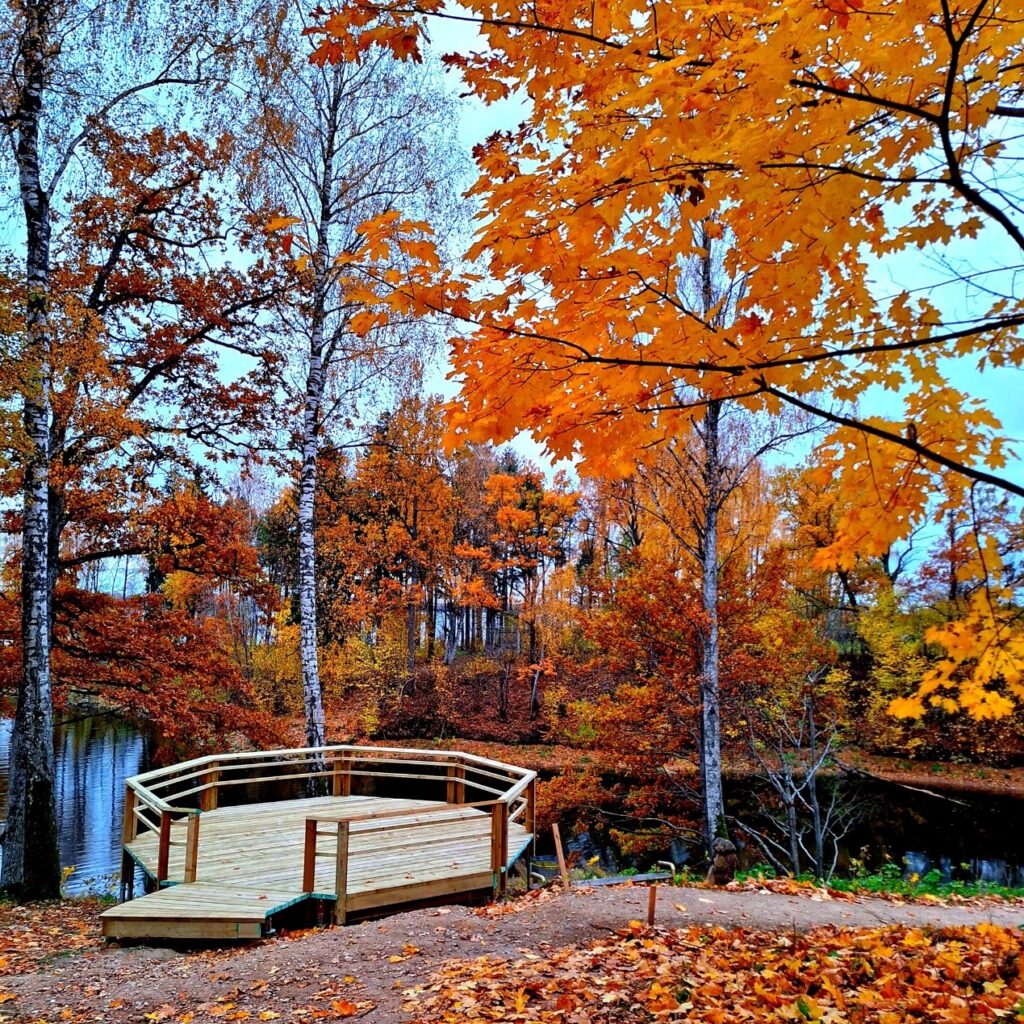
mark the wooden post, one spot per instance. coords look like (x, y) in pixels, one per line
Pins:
(341, 873)
(346, 775)
(531, 808)
(309, 857)
(495, 833)
(456, 790)
(127, 835)
(652, 900)
(208, 797)
(191, 848)
(562, 869)
(499, 845)
(164, 849)
(130, 826)
(335, 776)
(127, 889)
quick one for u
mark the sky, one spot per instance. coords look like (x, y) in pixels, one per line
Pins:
(477, 121)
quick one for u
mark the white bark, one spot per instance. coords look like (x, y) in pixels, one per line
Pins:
(312, 691)
(710, 703)
(312, 688)
(715, 491)
(31, 864)
(335, 146)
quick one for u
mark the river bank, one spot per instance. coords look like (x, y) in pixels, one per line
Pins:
(549, 759)
(966, 776)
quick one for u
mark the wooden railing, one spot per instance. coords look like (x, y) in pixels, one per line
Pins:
(170, 801)
(423, 819)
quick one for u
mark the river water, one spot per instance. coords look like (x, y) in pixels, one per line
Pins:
(973, 836)
(95, 754)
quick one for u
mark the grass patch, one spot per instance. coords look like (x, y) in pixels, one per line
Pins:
(891, 880)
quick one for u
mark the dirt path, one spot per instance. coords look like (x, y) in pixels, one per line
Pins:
(362, 970)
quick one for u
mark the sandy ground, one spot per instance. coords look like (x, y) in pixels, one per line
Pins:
(360, 971)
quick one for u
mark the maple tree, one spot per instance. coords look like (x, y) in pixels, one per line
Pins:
(822, 141)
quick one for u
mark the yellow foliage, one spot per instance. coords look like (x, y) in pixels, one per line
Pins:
(815, 138)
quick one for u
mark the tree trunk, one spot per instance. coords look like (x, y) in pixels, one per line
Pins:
(812, 788)
(489, 631)
(503, 680)
(410, 639)
(451, 631)
(312, 689)
(411, 605)
(31, 863)
(711, 726)
(794, 832)
(431, 623)
(535, 687)
(312, 692)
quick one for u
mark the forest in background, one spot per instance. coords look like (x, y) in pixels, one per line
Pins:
(466, 594)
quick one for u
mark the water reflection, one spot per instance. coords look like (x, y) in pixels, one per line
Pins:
(975, 837)
(95, 754)
(995, 872)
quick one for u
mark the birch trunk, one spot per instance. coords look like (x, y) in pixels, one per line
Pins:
(451, 631)
(411, 607)
(312, 693)
(31, 863)
(710, 703)
(714, 487)
(431, 623)
(409, 686)
(312, 689)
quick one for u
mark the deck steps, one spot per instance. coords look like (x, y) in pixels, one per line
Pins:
(201, 910)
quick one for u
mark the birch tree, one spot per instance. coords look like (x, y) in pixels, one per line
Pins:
(692, 488)
(334, 146)
(64, 81)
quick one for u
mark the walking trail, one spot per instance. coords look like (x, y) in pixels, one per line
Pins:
(361, 970)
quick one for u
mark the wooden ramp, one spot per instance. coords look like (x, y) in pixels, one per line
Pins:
(234, 868)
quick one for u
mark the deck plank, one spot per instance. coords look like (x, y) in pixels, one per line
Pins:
(250, 857)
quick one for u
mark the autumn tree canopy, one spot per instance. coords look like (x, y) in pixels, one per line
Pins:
(842, 151)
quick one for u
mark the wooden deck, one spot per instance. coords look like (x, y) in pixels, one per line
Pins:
(236, 867)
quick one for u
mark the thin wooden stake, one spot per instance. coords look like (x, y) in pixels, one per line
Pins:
(652, 900)
(563, 870)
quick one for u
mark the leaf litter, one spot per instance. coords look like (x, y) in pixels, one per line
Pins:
(720, 976)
